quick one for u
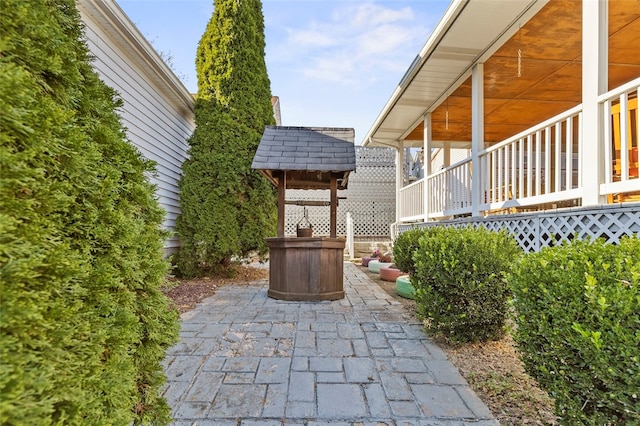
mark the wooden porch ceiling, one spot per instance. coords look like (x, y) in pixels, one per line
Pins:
(550, 73)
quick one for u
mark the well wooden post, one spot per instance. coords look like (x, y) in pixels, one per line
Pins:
(333, 186)
(282, 186)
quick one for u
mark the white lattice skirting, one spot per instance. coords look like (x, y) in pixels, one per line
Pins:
(534, 231)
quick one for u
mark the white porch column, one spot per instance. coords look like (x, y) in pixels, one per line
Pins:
(426, 166)
(399, 176)
(477, 136)
(594, 82)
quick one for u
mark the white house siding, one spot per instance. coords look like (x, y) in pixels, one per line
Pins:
(456, 154)
(157, 109)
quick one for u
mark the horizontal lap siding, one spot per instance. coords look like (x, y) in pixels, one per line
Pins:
(157, 126)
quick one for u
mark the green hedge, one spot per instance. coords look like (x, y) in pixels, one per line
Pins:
(227, 208)
(84, 325)
(459, 281)
(578, 328)
(403, 248)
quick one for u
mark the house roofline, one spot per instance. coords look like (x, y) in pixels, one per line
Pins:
(447, 20)
(523, 10)
(112, 18)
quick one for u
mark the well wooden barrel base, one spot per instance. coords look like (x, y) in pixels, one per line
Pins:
(305, 297)
(306, 269)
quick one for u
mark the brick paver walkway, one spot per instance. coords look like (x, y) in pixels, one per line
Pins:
(246, 359)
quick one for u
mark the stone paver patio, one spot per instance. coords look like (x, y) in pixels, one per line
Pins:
(246, 359)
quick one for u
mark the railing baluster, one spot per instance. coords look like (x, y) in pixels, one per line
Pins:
(558, 162)
(547, 160)
(467, 176)
(498, 187)
(443, 191)
(529, 167)
(578, 118)
(538, 163)
(430, 206)
(486, 176)
(521, 168)
(514, 169)
(449, 178)
(507, 171)
(494, 176)
(624, 137)
(569, 137)
(608, 144)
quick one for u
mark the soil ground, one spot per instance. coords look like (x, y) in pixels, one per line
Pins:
(492, 369)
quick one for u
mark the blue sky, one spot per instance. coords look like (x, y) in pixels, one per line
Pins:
(332, 62)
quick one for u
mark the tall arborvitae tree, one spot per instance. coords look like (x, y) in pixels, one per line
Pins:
(227, 209)
(84, 324)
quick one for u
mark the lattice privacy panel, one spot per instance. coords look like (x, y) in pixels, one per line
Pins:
(370, 197)
(535, 231)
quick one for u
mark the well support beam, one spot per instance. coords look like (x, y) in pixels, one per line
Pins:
(282, 187)
(333, 187)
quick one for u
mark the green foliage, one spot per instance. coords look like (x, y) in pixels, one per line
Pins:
(459, 281)
(578, 328)
(227, 209)
(403, 248)
(83, 323)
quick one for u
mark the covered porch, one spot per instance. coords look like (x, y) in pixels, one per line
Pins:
(543, 94)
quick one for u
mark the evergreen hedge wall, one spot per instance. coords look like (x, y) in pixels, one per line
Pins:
(83, 322)
(227, 208)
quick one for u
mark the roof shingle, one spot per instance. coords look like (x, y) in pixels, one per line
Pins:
(306, 148)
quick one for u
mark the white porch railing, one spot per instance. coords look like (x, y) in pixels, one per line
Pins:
(538, 167)
(450, 190)
(623, 130)
(411, 204)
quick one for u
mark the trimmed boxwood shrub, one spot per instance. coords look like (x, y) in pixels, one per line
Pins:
(459, 281)
(578, 328)
(84, 324)
(403, 248)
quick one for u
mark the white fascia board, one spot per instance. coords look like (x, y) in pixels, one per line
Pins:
(440, 30)
(461, 69)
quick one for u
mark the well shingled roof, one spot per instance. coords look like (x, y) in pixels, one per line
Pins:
(325, 149)
(309, 155)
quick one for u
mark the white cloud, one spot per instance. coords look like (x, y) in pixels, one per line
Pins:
(371, 14)
(311, 38)
(384, 40)
(335, 68)
(353, 42)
